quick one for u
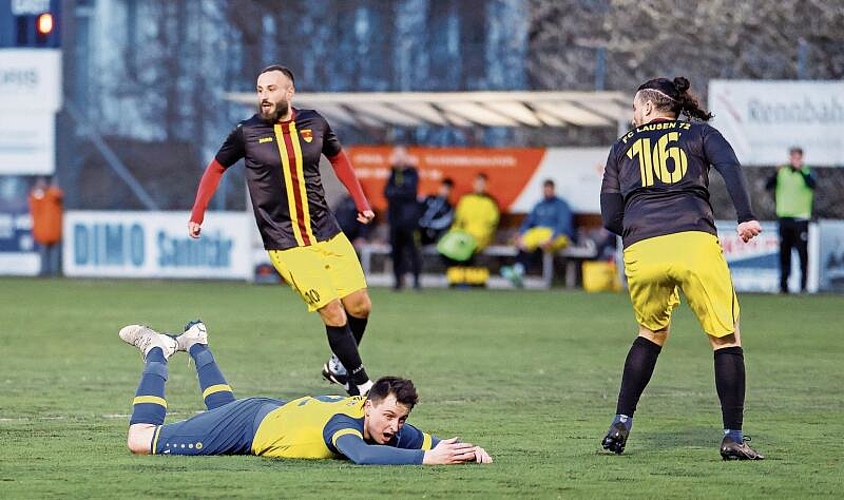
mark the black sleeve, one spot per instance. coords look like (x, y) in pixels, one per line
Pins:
(721, 155)
(612, 201)
(330, 143)
(232, 150)
(809, 177)
(612, 212)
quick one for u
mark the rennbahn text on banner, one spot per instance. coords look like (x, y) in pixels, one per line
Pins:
(762, 119)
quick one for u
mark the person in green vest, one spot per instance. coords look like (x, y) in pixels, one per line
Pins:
(794, 191)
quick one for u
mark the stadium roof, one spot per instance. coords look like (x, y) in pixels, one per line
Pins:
(465, 109)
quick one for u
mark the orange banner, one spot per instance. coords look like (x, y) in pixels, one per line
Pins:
(508, 170)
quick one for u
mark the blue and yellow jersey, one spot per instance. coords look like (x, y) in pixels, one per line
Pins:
(310, 427)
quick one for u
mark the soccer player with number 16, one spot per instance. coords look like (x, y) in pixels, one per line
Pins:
(655, 194)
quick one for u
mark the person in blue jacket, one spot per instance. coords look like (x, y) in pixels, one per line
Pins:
(548, 228)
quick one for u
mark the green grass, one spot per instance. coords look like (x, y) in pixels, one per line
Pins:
(531, 376)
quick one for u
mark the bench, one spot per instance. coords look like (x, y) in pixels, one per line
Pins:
(573, 255)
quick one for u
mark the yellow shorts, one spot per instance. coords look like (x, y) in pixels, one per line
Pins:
(692, 261)
(322, 272)
(535, 236)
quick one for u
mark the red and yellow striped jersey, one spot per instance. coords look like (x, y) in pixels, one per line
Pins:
(282, 173)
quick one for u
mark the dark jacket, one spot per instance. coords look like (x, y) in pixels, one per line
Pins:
(401, 191)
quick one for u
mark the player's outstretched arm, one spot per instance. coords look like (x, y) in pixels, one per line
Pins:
(207, 187)
(343, 168)
(353, 447)
(453, 451)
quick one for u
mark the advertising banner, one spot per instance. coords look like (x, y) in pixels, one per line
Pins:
(27, 143)
(762, 119)
(30, 80)
(18, 255)
(30, 95)
(831, 260)
(515, 174)
(755, 265)
(156, 245)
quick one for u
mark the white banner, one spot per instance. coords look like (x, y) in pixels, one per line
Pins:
(27, 143)
(831, 256)
(156, 245)
(30, 80)
(20, 263)
(577, 175)
(763, 119)
(755, 265)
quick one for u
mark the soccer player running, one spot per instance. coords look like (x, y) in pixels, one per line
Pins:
(655, 195)
(282, 146)
(365, 430)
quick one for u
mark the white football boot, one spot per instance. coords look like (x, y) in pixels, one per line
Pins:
(145, 338)
(195, 333)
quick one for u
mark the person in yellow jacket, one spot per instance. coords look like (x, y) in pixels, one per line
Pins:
(475, 221)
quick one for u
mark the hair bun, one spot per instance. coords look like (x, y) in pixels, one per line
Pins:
(682, 84)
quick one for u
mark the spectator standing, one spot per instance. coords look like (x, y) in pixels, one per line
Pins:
(47, 209)
(794, 192)
(401, 192)
(548, 228)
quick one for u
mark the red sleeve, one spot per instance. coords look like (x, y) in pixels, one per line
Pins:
(207, 187)
(343, 169)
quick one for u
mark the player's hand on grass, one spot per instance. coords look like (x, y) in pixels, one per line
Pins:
(481, 456)
(366, 216)
(194, 229)
(450, 452)
(748, 230)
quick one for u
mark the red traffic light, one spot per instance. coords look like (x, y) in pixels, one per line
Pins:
(45, 23)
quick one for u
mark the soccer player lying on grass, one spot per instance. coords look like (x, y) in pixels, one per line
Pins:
(365, 430)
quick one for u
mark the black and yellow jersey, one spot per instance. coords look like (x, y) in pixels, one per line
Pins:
(661, 172)
(282, 173)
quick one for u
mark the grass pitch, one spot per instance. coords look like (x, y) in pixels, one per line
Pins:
(531, 376)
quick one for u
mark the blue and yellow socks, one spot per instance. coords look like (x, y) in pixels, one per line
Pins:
(215, 390)
(149, 405)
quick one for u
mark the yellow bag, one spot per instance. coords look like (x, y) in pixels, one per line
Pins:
(600, 276)
(469, 276)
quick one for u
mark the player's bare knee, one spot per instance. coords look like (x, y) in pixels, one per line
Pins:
(730, 340)
(658, 337)
(333, 314)
(139, 439)
(136, 449)
(358, 305)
